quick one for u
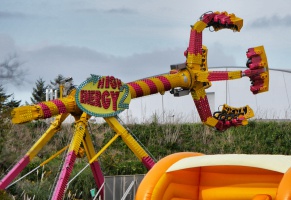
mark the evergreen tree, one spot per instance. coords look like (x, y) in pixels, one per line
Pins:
(38, 94)
(57, 81)
(66, 82)
(7, 103)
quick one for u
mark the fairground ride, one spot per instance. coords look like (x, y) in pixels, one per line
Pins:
(107, 96)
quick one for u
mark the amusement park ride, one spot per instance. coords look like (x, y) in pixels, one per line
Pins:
(107, 96)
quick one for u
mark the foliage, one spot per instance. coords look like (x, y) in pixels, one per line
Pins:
(259, 137)
(5, 196)
(57, 81)
(7, 103)
(9, 71)
(67, 84)
(38, 92)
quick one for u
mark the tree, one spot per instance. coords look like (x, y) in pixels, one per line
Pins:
(66, 82)
(38, 94)
(57, 81)
(9, 71)
(7, 103)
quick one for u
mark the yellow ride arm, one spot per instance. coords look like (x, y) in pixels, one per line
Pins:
(45, 109)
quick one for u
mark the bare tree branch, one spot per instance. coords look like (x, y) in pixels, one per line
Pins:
(10, 70)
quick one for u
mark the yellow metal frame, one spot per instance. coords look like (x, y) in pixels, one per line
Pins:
(192, 76)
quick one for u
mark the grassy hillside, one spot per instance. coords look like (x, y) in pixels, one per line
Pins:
(160, 140)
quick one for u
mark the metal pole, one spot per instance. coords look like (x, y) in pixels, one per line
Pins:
(127, 191)
(51, 94)
(46, 94)
(226, 89)
(99, 191)
(163, 108)
(56, 94)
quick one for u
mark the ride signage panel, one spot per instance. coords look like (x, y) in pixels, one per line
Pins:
(103, 96)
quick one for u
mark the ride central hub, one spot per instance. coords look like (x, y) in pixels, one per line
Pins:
(100, 99)
(103, 96)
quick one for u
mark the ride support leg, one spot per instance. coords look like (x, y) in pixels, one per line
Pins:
(54, 128)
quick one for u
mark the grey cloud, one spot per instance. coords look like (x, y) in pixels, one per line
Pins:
(89, 11)
(69, 61)
(273, 21)
(59, 53)
(8, 46)
(12, 15)
(81, 62)
(123, 11)
(217, 56)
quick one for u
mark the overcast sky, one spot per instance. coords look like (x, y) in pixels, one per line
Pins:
(133, 39)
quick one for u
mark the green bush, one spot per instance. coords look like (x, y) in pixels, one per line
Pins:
(160, 140)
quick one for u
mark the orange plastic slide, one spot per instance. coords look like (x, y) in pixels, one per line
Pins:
(194, 176)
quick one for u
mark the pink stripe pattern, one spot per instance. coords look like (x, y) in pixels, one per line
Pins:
(137, 88)
(98, 176)
(14, 172)
(166, 82)
(60, 105)
(64, 176)
(152, 86)
(148, 162)
(46, 111)
(203, 108)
